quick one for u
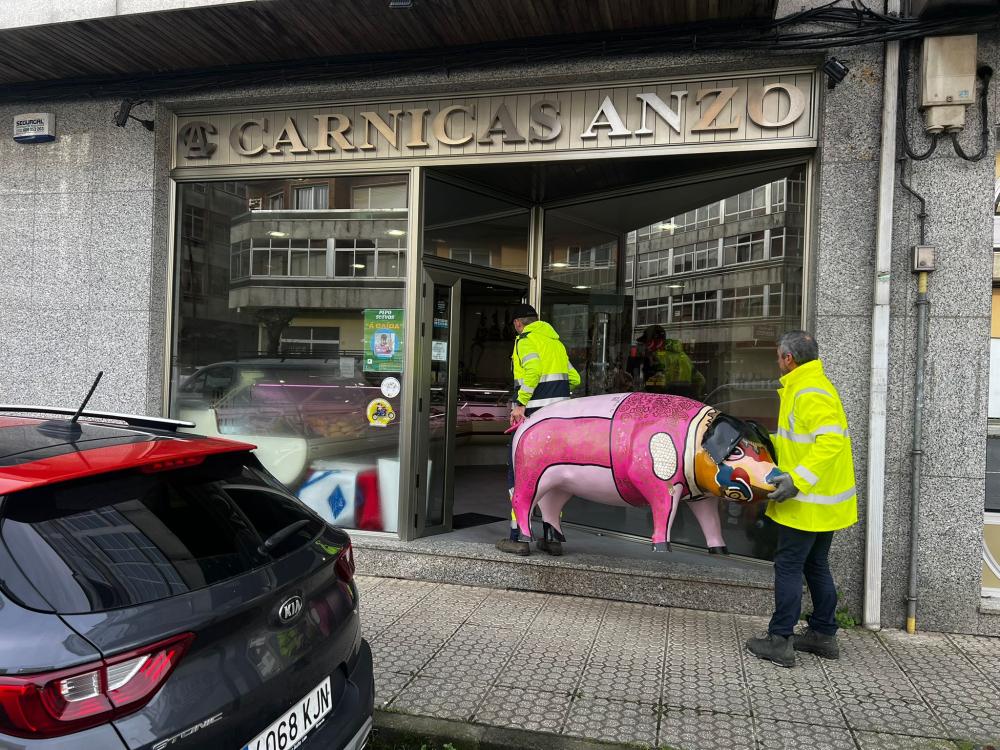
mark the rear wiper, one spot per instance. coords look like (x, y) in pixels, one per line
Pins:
(282, 534)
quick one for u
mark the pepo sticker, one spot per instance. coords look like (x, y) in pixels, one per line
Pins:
(390, 387)
(380, 413)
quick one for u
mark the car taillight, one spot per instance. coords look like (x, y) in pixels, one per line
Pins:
(345, 564)
(58, 703)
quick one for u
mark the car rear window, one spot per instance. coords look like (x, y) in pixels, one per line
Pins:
(127, 538)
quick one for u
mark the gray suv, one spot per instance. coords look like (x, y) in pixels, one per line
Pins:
(162, 591)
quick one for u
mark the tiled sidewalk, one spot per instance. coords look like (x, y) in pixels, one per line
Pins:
(677, 678)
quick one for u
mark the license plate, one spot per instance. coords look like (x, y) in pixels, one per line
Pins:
(296, 722)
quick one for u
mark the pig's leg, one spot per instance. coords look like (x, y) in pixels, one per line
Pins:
(551, 505)
(706, 511)
(664, 507)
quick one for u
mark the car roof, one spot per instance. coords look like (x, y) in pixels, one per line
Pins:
(36, 452)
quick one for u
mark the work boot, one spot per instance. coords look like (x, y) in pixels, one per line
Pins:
(551, 540)
(551, 546)
(513, 548)
(814, 642)
(775, 648)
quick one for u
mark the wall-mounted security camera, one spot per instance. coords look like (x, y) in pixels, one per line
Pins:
(124, 114)
(835, 71)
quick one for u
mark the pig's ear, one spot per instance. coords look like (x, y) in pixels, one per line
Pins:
(664, 454)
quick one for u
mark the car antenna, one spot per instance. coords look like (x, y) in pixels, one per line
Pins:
(70, 429)
(86, 400)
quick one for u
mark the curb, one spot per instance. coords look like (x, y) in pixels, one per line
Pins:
(391, 727)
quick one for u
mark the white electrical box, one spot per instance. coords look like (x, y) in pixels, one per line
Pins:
(948, 70)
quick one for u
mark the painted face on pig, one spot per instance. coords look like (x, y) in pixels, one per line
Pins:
(735, 459)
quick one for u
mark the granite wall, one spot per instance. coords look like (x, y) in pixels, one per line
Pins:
(77, 254)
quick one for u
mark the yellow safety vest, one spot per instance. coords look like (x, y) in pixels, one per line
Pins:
(542, 371)
(814, 447)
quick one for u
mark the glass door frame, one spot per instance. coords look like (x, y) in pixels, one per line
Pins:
(435, 272)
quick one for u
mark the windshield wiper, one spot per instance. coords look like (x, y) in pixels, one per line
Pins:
(282, 534)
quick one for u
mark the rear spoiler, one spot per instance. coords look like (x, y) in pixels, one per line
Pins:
(133, 420)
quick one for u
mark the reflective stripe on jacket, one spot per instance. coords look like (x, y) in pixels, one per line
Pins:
(542, 370)
(814, 447)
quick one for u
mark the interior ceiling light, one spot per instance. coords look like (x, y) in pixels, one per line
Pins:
(559, 265)
(395, 232)
(667, 226)
(358, 265)
(581, 287)
(274, 233)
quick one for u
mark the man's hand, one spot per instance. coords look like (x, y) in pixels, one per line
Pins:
(784, 487)
(516, 414)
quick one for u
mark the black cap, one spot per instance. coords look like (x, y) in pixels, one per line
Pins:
(523, 311)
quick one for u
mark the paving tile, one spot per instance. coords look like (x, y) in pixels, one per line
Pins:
(724, 693)
(972, 723)
(445, 699)
(881, 741)
(508, 609)
(604, 680)
(529, 709)
(474, 654)
(943, 673)
(388, 685)
(685, 729)
(786, 735)
(402, 659)
(899, 717)
(556, 673)
(613, 721)
(366, 584)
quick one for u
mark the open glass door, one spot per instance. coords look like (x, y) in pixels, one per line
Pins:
(439, 330)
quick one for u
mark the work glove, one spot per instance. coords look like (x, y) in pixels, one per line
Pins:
(784, 487)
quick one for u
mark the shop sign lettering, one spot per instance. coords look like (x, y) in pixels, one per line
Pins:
(737, 110)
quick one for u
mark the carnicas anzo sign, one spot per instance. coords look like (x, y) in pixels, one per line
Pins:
(772, 110)
(35, 127)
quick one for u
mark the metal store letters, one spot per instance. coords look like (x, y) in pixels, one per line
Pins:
(739, 112)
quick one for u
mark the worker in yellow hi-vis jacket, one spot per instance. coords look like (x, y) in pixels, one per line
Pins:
(814, 496)
(543, 375)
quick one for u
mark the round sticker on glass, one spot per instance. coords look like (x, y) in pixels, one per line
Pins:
(390, 387)
(380, 413)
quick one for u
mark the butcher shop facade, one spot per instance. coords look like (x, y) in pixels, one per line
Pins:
(342, 276)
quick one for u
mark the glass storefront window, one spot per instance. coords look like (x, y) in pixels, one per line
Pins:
(288, 332)
(715, 284)
(473, 227)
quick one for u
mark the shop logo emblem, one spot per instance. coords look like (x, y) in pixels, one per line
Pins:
(193, 140)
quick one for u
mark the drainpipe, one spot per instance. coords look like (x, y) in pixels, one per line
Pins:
(917, 453)
(880, 340)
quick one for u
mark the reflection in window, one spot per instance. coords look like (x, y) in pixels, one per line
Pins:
(274, 323)
(311, 198)
(706, 294)
(392, 195)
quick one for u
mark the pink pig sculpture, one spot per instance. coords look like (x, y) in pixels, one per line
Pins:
(638, 449)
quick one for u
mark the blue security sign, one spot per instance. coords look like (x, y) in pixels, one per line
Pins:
(35, 127)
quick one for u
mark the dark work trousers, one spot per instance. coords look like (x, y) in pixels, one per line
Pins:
(803, 553)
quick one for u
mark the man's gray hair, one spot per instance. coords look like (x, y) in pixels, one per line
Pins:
(800, 344)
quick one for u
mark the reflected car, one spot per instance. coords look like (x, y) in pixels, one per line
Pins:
(162, 590)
